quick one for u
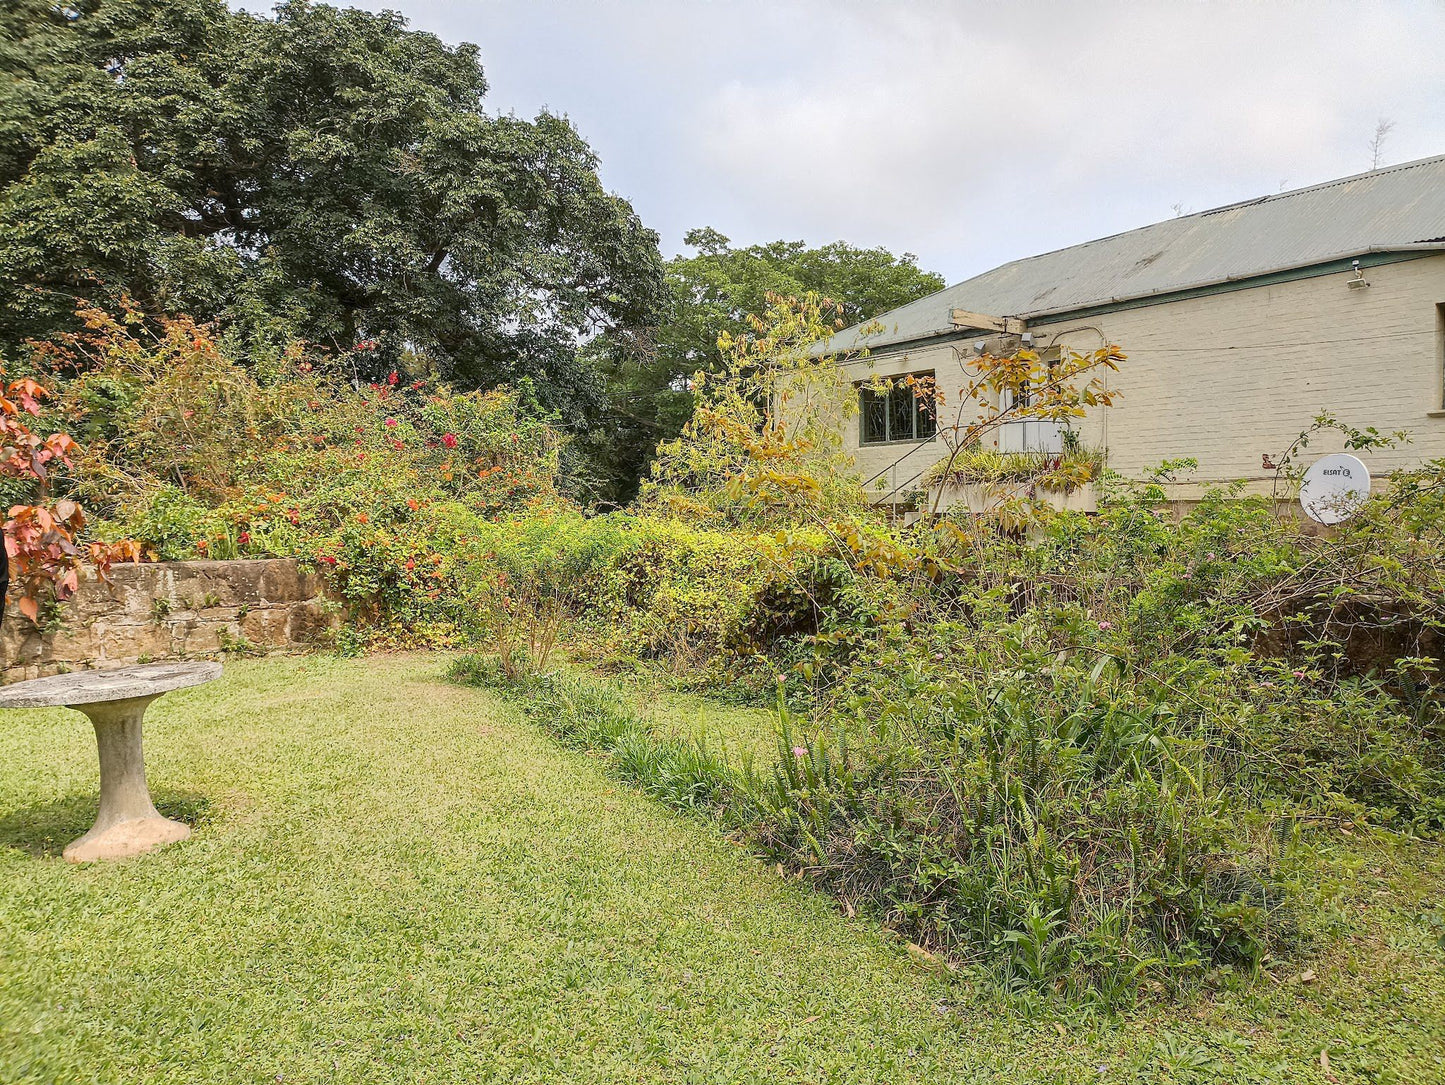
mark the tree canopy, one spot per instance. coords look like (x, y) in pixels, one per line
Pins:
(717, 289)
(325, 173)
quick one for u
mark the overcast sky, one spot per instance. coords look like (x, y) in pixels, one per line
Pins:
(969, 134)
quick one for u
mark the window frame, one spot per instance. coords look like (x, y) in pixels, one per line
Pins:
(1437, 410)
(896, 387)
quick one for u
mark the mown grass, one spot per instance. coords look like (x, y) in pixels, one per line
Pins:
(736, 729)
(396, 879)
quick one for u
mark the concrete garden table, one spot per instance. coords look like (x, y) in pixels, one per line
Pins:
(115, 701)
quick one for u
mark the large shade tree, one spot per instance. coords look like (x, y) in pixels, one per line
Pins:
(714, 290)
(325, 173)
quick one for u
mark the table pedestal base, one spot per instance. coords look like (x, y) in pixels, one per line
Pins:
(128, 823)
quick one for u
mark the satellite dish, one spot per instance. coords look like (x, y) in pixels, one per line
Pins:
(1334, 488)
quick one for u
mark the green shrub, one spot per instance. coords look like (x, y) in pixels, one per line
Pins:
(171, 522)
(386, 488)
(1061, 832)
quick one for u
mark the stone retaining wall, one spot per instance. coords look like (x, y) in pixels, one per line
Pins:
(172, 610)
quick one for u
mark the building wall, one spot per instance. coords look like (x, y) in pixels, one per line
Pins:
(172, 610)
(1230, 377)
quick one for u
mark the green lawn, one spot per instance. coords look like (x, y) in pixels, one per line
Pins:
(395, 879)
(738, 730)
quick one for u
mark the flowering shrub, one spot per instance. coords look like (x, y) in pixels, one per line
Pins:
(384, 487)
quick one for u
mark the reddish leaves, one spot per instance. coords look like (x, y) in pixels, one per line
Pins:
(41, 540)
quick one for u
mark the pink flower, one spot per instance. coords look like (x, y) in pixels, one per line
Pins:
(1106, 626)
(1298, 674)
(800, 751)
(449, 439)
(391, 423)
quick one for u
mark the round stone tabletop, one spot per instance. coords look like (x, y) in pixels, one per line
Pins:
(91, 687)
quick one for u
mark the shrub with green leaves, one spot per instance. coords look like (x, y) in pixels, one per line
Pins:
(387, 488)
(1062, 831)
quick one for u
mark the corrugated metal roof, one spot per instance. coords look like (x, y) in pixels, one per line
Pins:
(1385, 210)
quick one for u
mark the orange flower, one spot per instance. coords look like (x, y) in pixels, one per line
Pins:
(362, 518)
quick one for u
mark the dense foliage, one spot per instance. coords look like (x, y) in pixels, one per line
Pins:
(387, 487)
(714, 292)
(1088, 760)
(326, 173)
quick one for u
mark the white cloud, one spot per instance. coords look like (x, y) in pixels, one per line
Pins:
(986, 133)
(970, 133)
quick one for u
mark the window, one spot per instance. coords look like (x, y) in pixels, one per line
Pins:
(896, 413)
(1023, 433)
(1439, 360)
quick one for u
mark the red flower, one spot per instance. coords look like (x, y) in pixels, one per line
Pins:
(391, 378)
(328, 559)
(366, 344)
(449, 439)
(244, 538)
